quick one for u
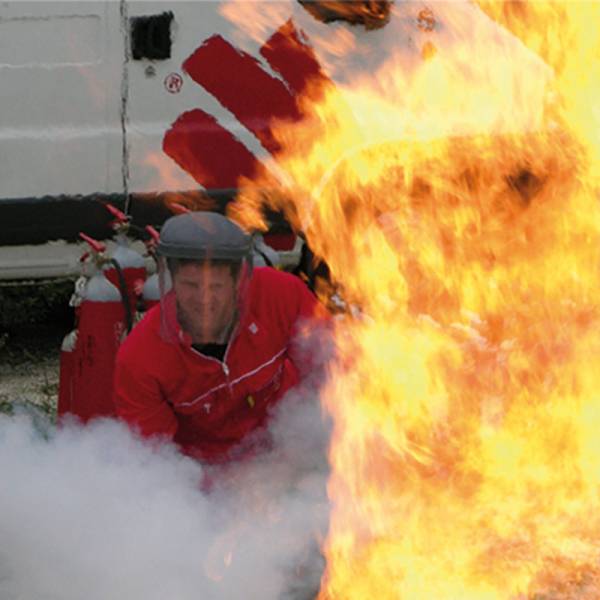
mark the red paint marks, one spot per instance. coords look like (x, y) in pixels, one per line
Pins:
(208, 152)
(293, 59)
(211, 154)
(242, 86)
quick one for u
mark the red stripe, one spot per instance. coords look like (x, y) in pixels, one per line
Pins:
(208, 152)
(239, 82)
(293, 59)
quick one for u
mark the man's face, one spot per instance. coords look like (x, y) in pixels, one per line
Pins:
(206, 301)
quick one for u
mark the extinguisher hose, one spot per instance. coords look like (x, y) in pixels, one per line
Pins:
(124, 296)
(267, 260)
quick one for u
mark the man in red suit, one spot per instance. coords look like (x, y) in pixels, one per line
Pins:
(205, 367)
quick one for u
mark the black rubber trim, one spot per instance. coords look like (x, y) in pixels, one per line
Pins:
(42, 219)
(39, 220)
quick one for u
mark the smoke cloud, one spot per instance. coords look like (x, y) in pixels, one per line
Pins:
(95, 513)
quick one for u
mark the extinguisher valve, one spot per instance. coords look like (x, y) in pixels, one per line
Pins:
(152, 241)
(178, 209)
(152, 233)
(97, 247)
(121, 222)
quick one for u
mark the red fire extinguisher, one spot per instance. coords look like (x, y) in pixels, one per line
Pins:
(87, 384)
(151, 289)
(124, 258)
(67, 350)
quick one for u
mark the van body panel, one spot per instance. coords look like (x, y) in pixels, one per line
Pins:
(82, 120)
(60, 120)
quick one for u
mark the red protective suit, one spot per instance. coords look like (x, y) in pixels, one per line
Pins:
(205, 405)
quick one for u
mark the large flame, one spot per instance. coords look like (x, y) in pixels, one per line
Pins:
(453, 192)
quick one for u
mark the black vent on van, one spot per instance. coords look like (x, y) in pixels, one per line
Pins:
(151, 36)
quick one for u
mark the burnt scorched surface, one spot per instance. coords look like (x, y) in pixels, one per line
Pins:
(372, 14)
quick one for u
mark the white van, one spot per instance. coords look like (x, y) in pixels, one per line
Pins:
(140, 103)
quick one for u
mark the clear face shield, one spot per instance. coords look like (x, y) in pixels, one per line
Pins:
(202, 300)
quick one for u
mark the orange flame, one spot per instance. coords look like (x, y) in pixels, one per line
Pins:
(453, 192)
(169, 177)
(251, 17)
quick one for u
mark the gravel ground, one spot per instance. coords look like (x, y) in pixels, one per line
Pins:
(30, 383)
(29, 368)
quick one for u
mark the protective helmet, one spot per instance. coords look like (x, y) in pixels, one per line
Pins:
(205, 267)
(203, 236)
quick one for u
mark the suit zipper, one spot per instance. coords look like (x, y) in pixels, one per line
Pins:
(229, 386)
(223, 364)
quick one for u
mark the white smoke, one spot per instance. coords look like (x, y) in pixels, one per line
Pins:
(94, 513)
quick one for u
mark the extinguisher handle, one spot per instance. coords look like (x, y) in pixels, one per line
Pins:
(95, 245)
(178, 209)
(120, 216)
(154, 235)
